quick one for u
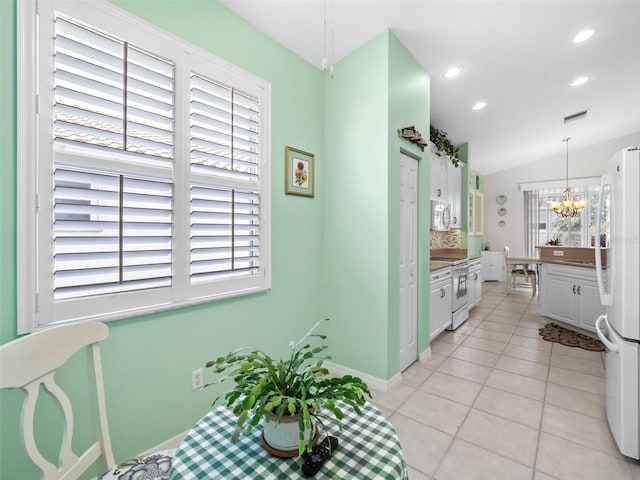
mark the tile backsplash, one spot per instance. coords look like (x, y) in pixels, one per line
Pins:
(449, 239)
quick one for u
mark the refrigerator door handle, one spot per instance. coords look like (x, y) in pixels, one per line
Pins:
(612, 347)
(605, 297)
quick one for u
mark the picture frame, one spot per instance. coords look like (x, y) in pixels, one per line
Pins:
(299, 172)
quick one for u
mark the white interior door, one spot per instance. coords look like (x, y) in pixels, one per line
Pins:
(408, 260)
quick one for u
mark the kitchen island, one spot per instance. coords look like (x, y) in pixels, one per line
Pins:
(568, 286)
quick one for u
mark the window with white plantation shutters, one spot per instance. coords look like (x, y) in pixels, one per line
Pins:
(225, 203)
(150, 182)
(112, 230)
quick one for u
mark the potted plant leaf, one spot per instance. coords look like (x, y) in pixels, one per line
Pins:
(290, 396)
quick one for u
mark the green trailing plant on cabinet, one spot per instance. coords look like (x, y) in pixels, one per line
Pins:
(441, 141)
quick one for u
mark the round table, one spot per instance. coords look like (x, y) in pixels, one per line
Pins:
(368, 449)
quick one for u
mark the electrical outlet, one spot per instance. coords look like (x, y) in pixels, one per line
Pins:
(196, 379)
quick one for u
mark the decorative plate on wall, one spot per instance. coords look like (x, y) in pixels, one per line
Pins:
(502, 212)
(501, 199)
(502, 223)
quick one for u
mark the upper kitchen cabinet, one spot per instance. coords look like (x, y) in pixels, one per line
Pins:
(476, 203)
(446, 184)
(455, 194)
(439, 175)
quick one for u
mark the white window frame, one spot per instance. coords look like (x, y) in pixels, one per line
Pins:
(554, 190)
(35, 160)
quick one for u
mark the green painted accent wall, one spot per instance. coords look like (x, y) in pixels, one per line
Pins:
(148, 360)
(376, 90)
(334, 255)
(409, 105)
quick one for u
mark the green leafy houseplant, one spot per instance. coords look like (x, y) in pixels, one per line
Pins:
(440, 139)
(554, 241)
(299, 385)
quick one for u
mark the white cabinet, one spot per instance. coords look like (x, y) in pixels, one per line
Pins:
(446, 184)
(570, 294)
(491, 265)
(440, 302)
(475, 282)
(588, 305)
(439, 176)
(455, 194)
(476, 212)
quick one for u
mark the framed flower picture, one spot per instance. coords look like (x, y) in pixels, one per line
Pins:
(299, 172)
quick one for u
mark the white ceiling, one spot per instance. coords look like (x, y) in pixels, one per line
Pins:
(518, 56)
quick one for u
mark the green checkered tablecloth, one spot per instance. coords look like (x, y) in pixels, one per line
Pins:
(368, 449)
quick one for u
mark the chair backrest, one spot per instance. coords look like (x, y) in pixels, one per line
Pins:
(30, 363)
(506, 251)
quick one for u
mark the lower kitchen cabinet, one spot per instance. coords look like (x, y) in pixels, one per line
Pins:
(570, 294)
(491, 265)
(440, 301)
(474, 282)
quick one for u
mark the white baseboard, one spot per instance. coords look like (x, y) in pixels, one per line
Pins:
(373, 382)
(173, 442)
(425, 355)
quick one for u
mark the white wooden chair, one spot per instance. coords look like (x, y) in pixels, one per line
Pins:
(519, 270)
(29, 363)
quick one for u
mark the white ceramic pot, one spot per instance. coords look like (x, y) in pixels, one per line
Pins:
(284, 435)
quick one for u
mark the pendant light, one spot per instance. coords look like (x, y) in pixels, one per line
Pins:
(325, 62)
(568, 207)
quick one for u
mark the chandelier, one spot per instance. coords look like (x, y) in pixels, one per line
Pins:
(568, 207)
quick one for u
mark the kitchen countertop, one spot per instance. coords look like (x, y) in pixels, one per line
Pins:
(445, 257)
(436, 264)
(573, 263)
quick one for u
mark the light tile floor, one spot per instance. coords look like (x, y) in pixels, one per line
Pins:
(495, 401)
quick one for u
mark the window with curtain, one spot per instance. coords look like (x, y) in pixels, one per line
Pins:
(146, 162)
(543, 225)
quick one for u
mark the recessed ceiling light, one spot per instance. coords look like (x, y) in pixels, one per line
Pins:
(452, 72)
(584, 35)
(479, 106)
(579, 81)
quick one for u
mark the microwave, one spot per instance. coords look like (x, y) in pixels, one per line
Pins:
(440, 215)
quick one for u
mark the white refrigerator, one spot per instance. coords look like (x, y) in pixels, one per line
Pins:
(619, 327)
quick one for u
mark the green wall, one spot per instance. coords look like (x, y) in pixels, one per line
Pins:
(148, 360)
(376, 90)
(334, 255)
(409, 105)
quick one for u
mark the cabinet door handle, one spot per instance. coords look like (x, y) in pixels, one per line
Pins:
(442, 292)
(475, 276)
(579, 287)
(574, 289)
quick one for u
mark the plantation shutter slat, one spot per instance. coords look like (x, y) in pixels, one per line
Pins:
(111, 233)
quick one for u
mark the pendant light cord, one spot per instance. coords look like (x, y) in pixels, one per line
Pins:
(566, 140)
